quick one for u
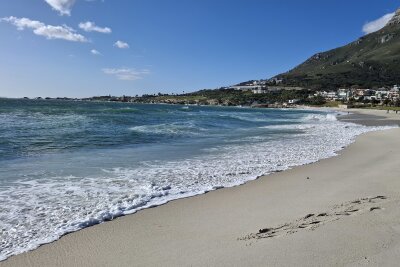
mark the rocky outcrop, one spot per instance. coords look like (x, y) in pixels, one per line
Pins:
(395, 19)
(386, 38)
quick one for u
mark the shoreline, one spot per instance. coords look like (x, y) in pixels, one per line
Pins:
(90, 243)
(370, 117)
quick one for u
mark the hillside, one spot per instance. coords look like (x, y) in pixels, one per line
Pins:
(373, 60)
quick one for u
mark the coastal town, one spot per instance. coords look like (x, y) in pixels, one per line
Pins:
(388, 95)
(266, 93)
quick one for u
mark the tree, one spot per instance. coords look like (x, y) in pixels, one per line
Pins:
(386, 102)
(374, 101)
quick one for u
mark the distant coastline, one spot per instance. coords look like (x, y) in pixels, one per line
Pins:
(387, 98)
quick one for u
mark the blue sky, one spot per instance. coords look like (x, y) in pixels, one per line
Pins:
(131, 47)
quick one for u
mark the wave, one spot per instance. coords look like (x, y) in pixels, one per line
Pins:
(246, 117)
(320, 117)
(309, 121)
(122, 110)
(168, 129)
(289, 127)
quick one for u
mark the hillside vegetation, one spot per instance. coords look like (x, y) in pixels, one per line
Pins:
(230, 97)
(371, 61)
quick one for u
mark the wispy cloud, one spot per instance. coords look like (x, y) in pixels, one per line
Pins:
(89, 26)
(95, 52)
(49, 31)
(126, 74)
(121, 45)
(60, 32)
(377, 24)
(64, 7)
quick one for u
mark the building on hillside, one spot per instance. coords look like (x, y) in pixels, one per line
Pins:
(381, 94)
(256, 89)
(293, 101)
(364, 92)
(328, 95)
(246, 87)
(344, 94)
(261, 90)
(394, 93)
(275, 80)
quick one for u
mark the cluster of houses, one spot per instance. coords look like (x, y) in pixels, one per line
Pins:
(379, 95)
(343, 94)
(259, 87)
(383, 96)
(256, 89)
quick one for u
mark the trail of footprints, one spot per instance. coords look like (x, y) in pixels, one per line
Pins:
(312, 221)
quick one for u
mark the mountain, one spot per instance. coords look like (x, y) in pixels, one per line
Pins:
(371, 61)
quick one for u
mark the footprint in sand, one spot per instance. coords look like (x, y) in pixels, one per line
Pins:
(312, 221)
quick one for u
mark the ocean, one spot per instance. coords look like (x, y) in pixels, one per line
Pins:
(67, 165)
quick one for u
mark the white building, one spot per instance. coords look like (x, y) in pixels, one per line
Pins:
(293, 101)
(246, 87)
(381, 94)
(394, 92)
(331, 95)
(344, 94)
(262, 90)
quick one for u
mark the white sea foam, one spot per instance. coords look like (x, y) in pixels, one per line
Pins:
(250, 117)
(168, 128)
(38, 211)
(319, 117)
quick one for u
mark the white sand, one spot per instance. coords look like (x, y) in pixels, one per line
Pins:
(208, 230)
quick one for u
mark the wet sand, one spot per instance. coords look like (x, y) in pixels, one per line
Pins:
(371, 117)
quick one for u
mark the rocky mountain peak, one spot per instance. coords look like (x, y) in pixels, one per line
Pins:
(395, 19)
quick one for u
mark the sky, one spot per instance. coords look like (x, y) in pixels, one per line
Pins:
(82, 48)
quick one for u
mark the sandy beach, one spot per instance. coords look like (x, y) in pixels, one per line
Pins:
(339, 211)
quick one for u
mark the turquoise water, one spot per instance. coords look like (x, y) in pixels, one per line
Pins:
(67, 165)
(31, 128)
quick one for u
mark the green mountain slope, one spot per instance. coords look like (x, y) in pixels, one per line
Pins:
(373, 60)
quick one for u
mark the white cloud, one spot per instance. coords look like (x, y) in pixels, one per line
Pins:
(95, 52)
(121, 45)
(64, 7)
(49, 31)
(89, 26)
(377, 24)
(22, 23)
(126, 74)
(60, 32)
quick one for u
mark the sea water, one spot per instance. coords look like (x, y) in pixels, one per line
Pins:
(68, 165)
